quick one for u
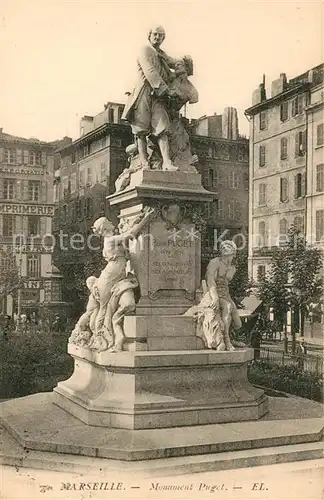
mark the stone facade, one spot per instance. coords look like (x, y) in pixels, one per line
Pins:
(282, 159)
(26, 213)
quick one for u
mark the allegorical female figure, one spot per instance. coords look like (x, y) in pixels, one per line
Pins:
(216, 311)
(112, 294)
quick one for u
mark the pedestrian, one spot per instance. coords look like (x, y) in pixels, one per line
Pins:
(7, 327)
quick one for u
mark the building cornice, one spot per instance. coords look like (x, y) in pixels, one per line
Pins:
(94, 134)
(316, 106)
(296, 89)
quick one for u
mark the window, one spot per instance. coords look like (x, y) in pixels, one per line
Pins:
(261, 271)
(246, 181)
(262, 194)
(283, 228)
(297, 105)
(64, 214)
(56, 291)
(33, 266)
(88, 207)
(237, 211)
(209, 209)
(111, 115)
(300, 143)
(319, 224)
(210, 182)
(233, 180)
(9, 189)
(262, 234)
(33, 225)
(300, 185)
(78, 209)
(262, 156)
(220, 209)
(65, 184)
(89, 175)
(320, 134)
(82, 177)
(34, 158)
(103, 171)
(102, 205)
(284, 148)
(33, 190)
(320, 177)
(120, 113)
(73, 158)
(283, 189)
(284, 111)
(263, 120)
(73, 182)
(9, 156)
(231, 210)
(299, 223)
(8, 228)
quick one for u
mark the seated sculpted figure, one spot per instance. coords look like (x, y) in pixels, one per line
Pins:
(114, 289)
(216, 311)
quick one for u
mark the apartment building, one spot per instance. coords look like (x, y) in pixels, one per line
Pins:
(285, 173)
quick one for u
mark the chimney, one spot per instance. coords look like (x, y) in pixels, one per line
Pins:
(279, 85)
(259, 95)
(85, 124)
(230, 124)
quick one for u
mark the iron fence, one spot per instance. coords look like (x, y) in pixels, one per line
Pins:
(306, 362)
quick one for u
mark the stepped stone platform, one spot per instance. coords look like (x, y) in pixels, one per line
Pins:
(292, 430)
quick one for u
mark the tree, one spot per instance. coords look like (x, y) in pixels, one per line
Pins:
(240, 285)
(9, 273)
(293, 281)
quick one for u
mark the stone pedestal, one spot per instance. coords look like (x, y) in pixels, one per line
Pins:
(165, 377)
(160, 389)
(166, 256)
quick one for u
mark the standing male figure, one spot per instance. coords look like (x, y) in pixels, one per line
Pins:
(146, 109)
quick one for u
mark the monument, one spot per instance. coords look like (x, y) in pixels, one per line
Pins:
(156, 369)
(152, 351)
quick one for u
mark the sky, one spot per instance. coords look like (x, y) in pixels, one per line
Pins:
(62, 59)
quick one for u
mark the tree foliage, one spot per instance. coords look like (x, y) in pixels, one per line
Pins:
(240, 284)
(9, 271)
(294, 275)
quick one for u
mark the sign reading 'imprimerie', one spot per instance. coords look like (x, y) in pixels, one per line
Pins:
(22, 209)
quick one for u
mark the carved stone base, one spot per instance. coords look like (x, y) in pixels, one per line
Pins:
(150, 390)
(161, 333)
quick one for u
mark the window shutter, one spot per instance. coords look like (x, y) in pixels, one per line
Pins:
(43, 158)
(297, 149)
(26, 157)
(19, 156)
(300, 104)
(304, 141)
(303, 184)
(281, 189)
(296, 186)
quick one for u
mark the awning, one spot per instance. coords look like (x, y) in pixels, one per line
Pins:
(250, 304)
